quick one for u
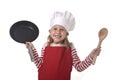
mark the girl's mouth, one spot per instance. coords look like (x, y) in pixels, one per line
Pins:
(57, 36)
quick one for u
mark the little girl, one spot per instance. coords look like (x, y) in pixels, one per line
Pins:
(58, 54)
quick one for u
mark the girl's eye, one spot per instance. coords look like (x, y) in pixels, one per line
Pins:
(55, 29)
(62, 30)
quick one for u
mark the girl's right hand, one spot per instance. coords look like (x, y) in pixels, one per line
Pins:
(29, 44)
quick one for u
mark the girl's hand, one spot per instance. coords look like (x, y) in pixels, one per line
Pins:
(29, 44)
(94, 52)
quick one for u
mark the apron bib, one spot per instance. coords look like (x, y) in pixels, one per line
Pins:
(57, 64)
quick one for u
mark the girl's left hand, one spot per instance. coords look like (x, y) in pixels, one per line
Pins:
(95, 51)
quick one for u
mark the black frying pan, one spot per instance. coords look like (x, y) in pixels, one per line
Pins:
(24, 31)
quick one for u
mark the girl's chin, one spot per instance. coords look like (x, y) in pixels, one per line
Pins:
(57, 42)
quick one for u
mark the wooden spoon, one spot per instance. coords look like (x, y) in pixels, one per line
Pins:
(102, 35)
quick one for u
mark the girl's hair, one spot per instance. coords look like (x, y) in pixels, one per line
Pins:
(65, 41)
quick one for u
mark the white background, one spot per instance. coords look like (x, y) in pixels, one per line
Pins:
(91, 16)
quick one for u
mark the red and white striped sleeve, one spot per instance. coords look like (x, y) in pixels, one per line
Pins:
(36, 59)
(77, 63)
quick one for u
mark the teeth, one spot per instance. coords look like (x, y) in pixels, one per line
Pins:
(57, 36)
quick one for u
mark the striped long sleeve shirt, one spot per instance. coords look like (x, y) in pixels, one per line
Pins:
(76, 62)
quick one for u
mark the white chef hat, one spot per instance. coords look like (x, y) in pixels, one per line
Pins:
(65, 19)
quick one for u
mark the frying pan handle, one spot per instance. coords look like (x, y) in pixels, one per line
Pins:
(30, 53)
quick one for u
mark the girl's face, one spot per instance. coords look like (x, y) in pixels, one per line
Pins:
(58, 33)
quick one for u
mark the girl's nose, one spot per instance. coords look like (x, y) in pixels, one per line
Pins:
(57, 31)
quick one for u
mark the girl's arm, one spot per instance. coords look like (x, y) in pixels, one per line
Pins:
(82, 65)
(78, 64)
(35, 57)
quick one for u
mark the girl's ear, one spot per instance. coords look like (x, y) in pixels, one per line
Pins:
(49, 31)
(67, 33)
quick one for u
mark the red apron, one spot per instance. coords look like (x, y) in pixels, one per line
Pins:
(57, 64)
